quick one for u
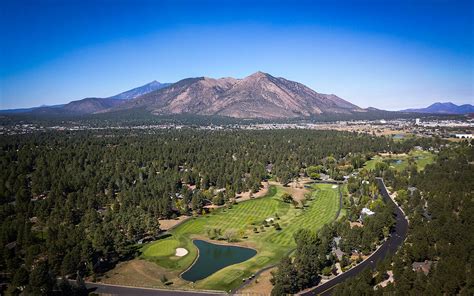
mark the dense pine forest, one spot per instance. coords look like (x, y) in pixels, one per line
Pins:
(439, 203)
(74, 203)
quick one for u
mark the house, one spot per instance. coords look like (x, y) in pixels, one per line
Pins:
(269, 167)
(11, 245)
(422, 266)
(387, 281)
(101, 210)
(366, 212)
(412, 189)
(336, 249)
(323, 177)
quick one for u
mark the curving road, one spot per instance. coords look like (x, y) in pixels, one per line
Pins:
(390, 246)
(135, 291)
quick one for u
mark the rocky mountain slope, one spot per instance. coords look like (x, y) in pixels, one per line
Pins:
(259, 95)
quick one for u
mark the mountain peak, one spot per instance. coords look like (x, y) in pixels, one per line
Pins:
(439, 104)
(259, 74)
(258, 95)
(139, 91)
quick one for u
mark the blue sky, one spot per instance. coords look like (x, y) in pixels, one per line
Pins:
(382, 53)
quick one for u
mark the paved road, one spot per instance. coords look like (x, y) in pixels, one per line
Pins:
(134, 291)
(340, 202)
(389, 247)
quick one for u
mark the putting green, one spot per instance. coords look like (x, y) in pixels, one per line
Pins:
(161, 248)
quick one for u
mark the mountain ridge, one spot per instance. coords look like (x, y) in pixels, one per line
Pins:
(91, 105)
(443, 108)
(259, 95)
(140, 90)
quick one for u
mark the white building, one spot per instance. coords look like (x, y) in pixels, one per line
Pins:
(464, 136)
(366, 212)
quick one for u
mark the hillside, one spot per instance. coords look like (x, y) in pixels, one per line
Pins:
(91, 105)
(259, 95)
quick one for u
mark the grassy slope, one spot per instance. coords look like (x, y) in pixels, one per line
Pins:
(270, 244)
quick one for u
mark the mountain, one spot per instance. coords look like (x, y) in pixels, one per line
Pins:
(259, 95)
(25, 110)
(139, 91)
(91, 105)
(444, 108)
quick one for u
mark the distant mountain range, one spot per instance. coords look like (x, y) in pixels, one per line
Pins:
(444, 108)
(91, 105)
(94, 105)
(258, 96)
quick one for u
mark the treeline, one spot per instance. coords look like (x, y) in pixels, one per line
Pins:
(140, 116)
(439, 202)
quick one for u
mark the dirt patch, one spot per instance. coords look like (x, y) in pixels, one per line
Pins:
(295, 188)
(166, 224)
(261, 285)
(356, 224)
(139, 273)
(246, 195)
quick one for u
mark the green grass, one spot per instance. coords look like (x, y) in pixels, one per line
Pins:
(161, 248)
(421, 158)
(271, 245)
(321, 211)
(240, 216)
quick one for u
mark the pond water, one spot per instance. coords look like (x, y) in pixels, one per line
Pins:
(399, 136)
(213, 257)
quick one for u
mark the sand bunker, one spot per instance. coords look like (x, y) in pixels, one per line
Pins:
(180, 252)
(334, 186)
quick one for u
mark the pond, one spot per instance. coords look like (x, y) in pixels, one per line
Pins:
(399, 136)
(213, 257)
